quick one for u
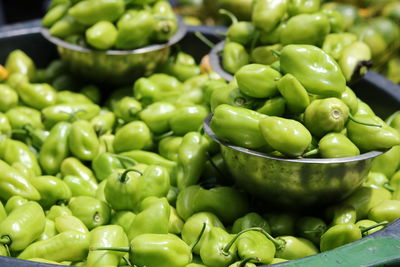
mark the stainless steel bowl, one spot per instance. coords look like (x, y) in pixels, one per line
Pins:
(293, 183)
(116, 67)
(215, 61)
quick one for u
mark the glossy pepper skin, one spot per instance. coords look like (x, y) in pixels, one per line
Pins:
(102, 35)
(388, 162)
(339, 235)
(127, 109)
(187, 119)
(302, 60)
(352, 59)
(104, 122)
(20, 116)
(387, 210)
(238, 126)
(13, 183)
(257, 245)
(65, 223)
(251, 219)
(104, 164)
(267, 13)
(106, 236)
(294, 93)
(168, 147)
(191, 159)
(153, 218)
(231, 95)
(89, 12)
(82, 140)
(337, 145)
(195, 199)
(193, 226)
(294, 248)
(123, 218)
(5, 127)
(22, 226)
(335, 43)
(135, 130)
(166, 24)
(296, 7)
(132, 186)
(368, 138)
(9, 98)
(74, 167)
(49, 230)
(70, 245)
(51, 189)
(19, 62)
(287, 136)
(234, 57)
(55, 149)
(36, 95)
(91, 211)
(157, 116)
(14, 202)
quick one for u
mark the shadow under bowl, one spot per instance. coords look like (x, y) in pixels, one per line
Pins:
(114, 67)
(293, 184)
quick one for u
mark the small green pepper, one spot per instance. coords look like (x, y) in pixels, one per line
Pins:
(255, 245)
(14, 202)
(231, 96)
(387, 210)
(339, 235)
(19, 62)
(336, 145)
(8, 98)
(49, 230)
(296, 7)
(281, 224)
(91, 211)
(157, 116)
(124, 219)
(264, 54)
(66, 26)
(234, 57)
(310, 228)
(82, 140)
(241, 32)
(56, 211)
(51, 189)
(54, 14)
(102, 35)
(65, 223)
(104, 122)
(187, 119)
(21, 116)
(127, 109)
(168, 147)
(36, 95)
(335, 43)
(295, 94)
(135, 130)
(74, 167)
(275, 106)
(268, 13)
(353, 58)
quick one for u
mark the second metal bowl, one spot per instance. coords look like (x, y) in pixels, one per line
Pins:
(293, 183)
(115, 67)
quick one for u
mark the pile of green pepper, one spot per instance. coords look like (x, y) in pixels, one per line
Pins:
(132, 179)
(111, 24)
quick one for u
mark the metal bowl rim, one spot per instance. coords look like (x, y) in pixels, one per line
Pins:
(180, 33)
(210, 132)
(215, 61)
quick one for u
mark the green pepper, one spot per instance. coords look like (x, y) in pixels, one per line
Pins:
(54, 69)
(24, 170)
(336, 20)
(22, 226)
(49, 230)
(54, 14)
(74, 167)
(13, 183)
(153, 217)
(106, 236)
(368, 138)
(65, 246)
(8, 98)
(19, 62)
(268, 13)
(251, 219)
(166, 24)
(135, 29)
(238, 126)
(193, 228)
(91, 211)
(335, 43)
(388, 162)
(135, 130)
(365, 198)
(234, 57)
(168, 147)
(191, 159)
(264, 54)
(353, 58)
(387, 210)
(132, 186)
(296, 7)
(91, 11)
(55, 149)
(102, 35)
(241, 32)
(157, 116)
(377, 179)
(187, 119)
(255, 245)
(20, 116)
(233, 97)
(182, 66)
(62, 112)
(36, 95)
(310, 228)
(124, 219)
(51, 189)
(257, 80)
(287, 136)
(281, 224)
(65, 223)
(308, 29)
(175, 223)
(294, 247)
(82, 140)
(3, 213)
(302, 60)
(92, 92)
(295, 94)
(339, 235)
(5, 127)
(105, 143)
(104, 122)
(337, 145)
(100, 191)
(56, 211)
(80, 186)
(66, 26)
(343, 214)
(195, 199)
(213, 252)
(127, 109)
(105, 163)
(14, 202)
(65, 97)
(362, 224)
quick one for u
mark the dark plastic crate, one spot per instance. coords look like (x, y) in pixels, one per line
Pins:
(379, 249)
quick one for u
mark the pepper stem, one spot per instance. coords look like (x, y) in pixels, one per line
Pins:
(123, 176)
(229, 14)
(246, 260)
(204, 39)
(363, 123)
(276, 52)
(199, 236)
(228, 246)
(5, 240)
(389, 188)
(312, 152)
(127, 261)
(123, 158)
(164, 135)
(119, 249)
(364, 229)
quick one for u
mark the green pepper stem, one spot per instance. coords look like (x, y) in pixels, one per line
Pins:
(203, 228)
(228, 246)
(127, 261)
(5, 240)
(164, 135)
(389, 188)
(204, 39)
(123, 158)
(312, 152)
(364, 230)
(229, 14)
(119, 249)
(123, 176)
(363, 123)
(246, 260)
(276, 52)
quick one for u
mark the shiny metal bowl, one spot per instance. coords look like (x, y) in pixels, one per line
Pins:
(293, 183)
(116, 67)
(215, 61)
